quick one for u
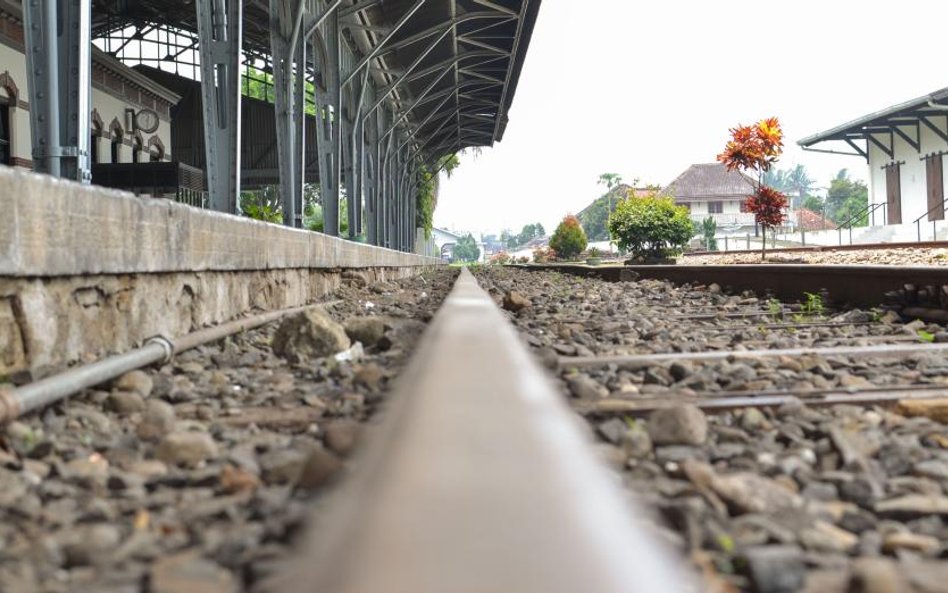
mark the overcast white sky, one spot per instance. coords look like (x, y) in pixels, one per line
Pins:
(645, 89)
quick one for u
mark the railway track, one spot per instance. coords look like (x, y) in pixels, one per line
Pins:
(802, 453)
(765, 447)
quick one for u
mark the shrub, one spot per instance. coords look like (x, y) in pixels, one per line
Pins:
(500, 258)
(650, 227)
(544, 255)
(569, 239)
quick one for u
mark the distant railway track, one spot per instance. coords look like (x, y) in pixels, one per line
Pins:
(829, 248)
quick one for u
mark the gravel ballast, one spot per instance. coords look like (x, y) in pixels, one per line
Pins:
(902, 256)
(197, 475)
(838, 499)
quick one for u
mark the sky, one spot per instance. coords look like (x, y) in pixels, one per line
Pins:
(645, 89)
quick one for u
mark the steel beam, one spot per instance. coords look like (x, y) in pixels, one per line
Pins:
(219, 44)
(378, 48)
(58, 56)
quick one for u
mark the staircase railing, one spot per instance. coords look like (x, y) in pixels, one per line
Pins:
(869, 210)
(918, 221)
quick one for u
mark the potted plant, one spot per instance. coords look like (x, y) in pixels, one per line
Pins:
(593, 257)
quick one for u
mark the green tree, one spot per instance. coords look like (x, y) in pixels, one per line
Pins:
(800, 183)
(846, 198)
(651, 227)
(595, 219)
(262, 203)
(528, 233)
(568, 239)
(612, 181)
(466, 249)
(793, 181)
(709, 228)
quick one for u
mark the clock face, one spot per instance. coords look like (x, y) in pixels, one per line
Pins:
(146, 120)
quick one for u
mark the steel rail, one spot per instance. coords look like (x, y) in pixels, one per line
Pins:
(634, 361)
(644, 407)
(478, 479)
(617, 405)
(857, 285)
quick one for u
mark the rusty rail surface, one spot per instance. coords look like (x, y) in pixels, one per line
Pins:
(824, 248)
(479, 479)
(855, 285)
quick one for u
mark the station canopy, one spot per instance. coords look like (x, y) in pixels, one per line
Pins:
(463, 57)
(880, 129)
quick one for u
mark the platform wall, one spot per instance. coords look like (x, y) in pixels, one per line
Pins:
(86, 271)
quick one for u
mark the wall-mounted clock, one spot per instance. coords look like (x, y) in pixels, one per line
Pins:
(146, 120)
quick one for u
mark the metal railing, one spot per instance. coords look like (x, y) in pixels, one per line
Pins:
(867, 211)
(918, 221)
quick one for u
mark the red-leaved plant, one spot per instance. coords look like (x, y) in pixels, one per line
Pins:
(756, 148)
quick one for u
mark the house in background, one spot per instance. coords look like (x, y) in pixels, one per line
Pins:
(709, 189)
(904, 146)
(444, 242)
(809, 221)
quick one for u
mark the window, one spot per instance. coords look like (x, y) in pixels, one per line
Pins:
(94, 147)
(137, 150)
(6, 155)
(116, 145)
(157, 152)
(715, 207)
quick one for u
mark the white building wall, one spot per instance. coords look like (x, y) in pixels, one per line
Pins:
(912, 172)
(13, 62)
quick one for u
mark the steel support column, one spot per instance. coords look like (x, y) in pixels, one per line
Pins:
(58, 57)
(331, 200)
(327, 127)
(347, 131)
(287, 110)
(219, 44)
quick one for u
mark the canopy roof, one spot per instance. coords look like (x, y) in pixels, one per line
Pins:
(466, 54)
(901, 120)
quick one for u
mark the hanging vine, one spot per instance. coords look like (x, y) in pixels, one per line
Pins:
(428, 185)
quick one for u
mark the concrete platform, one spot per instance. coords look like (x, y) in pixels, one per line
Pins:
(86, 271)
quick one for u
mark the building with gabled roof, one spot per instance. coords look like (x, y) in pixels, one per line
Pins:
(709, 189)
(904, 146)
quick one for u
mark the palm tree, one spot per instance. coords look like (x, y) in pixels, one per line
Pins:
(800, 182)
(611, 181)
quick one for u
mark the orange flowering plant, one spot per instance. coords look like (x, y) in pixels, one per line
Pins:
(756, 148)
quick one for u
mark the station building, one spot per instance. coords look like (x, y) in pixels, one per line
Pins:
(904, 146)
(130, 120)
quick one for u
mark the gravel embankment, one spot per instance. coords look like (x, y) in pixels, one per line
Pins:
(843, 499)
(195, 476)
(931, 256)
